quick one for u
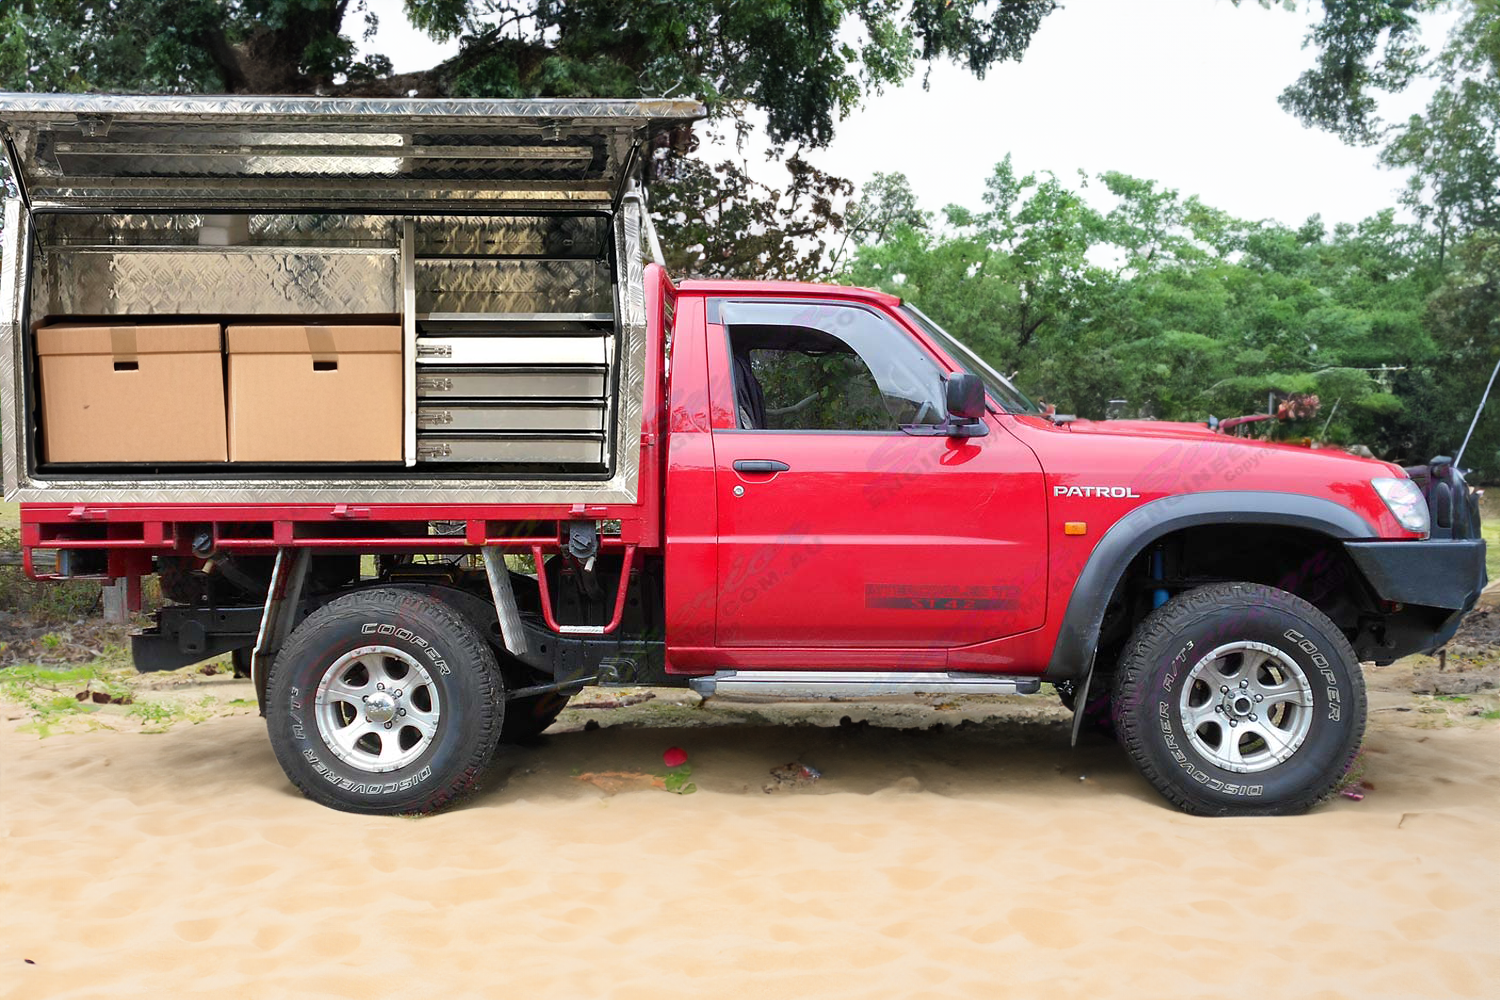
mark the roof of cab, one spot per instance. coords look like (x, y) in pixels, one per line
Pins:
(787, 289)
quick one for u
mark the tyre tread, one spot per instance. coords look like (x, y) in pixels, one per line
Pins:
(1183, 611)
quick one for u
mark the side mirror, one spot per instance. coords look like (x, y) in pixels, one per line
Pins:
(965, 394)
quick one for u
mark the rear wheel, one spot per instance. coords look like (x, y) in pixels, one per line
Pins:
(1240, 699)
(384, 701)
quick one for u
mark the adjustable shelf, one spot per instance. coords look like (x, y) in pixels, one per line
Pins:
(503, 386)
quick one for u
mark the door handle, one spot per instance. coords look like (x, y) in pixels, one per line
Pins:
(760, 466)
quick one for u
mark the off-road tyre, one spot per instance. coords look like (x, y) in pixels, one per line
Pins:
(461, 680)
(1176, 639)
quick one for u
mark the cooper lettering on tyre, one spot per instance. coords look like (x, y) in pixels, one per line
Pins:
(385, 701)
(1240, 699)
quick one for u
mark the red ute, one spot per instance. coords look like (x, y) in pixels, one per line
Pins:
(750, 488)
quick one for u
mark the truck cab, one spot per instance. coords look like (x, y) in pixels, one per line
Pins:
(926, 541)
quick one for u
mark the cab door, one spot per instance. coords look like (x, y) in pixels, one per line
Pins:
(839, 529)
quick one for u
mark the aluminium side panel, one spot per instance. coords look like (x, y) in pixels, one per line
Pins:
(631, 308)
(14, 264)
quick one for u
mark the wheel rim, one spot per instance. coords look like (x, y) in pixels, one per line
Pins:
(1246, 707)
(377, 708)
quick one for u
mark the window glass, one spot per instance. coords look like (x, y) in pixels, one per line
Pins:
(804, 366)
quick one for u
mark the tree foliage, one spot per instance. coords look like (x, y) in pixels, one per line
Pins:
(1364, 48)
(1452, 149)
(804, 63)
(716, 220)
(186, 46)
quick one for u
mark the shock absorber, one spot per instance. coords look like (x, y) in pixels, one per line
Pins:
(1159, 593)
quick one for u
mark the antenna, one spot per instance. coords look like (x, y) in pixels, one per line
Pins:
(1482, 400)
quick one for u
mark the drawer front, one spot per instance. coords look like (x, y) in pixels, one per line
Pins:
(583, 350)
(442, 383)
(501, 417)
(581, 449)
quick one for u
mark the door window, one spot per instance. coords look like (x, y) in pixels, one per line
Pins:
(826, 367)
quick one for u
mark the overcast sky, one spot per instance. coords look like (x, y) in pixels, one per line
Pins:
(1181, 91)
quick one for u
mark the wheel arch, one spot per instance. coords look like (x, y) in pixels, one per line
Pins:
(1105, 571)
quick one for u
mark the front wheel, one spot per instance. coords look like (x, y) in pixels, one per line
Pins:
(384, 701)
(1240, 699)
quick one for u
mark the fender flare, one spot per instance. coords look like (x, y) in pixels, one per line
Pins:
(1077, 636)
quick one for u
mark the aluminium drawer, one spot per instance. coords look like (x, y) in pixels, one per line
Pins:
(543, 449)
(444, 383)
(550, 351)
(506, 417)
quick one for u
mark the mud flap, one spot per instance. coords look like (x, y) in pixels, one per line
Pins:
(1080, 702)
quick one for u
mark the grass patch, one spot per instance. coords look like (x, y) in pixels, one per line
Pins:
(1490, 530)
(156, 716)
(50, 602)
(46, 602)
(55, 694)
(1492, 714)
(159, 716)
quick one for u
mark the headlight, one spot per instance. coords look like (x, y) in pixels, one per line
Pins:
(1405, 500)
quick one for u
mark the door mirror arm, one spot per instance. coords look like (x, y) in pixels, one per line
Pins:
(953, 427)
(964, 395)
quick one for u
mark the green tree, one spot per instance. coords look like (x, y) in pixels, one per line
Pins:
(1364, 48)
(1464, 316)
(186, 46)
(1452, 149)
(1005, 274)
(716, 220)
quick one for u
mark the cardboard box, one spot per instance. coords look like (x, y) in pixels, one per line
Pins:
(319, 393)
(124, 392)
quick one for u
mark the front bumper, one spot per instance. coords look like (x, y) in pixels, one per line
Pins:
(1441, 573)
(1437, 582)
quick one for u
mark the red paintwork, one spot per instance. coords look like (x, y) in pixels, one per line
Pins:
(872, 550)
(806, 556)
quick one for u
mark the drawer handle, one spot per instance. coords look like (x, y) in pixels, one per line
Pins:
(435, 384)
(434, 350)
(433, 451)
(434, 418)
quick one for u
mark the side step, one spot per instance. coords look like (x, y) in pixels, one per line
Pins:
(837, 685)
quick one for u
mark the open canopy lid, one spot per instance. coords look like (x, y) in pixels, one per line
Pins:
(129, 152)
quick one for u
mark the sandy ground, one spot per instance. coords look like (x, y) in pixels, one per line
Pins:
(983, 860)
